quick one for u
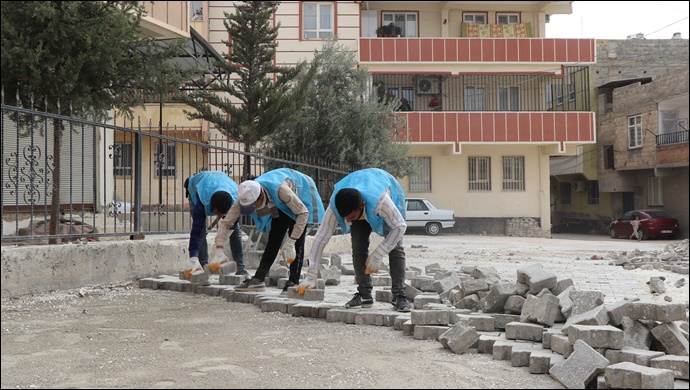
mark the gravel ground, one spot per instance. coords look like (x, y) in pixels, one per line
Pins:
(126, 337)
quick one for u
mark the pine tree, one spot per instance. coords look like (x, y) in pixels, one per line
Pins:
(343, 121)
(267, 94)
(82, 59)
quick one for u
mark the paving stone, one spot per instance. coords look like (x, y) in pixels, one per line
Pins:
(479, 322)
(430, 317)
(400, 320)
(677, 364)
(669, 335)
(519, 355)
(472, 286)
(561, 285)
(540, 362)
(524, 331)
(346, 316)
(540, 310)
(428, 332)
(580, 368)
(424, 298)
(497, 297)
(408, 328)
(500, 320)
(618, 310)
(561, 344)
(636, 334)
(597, 336)
(597, 316)
(662, 312)
(485, 344)
(632, 355)
(459, 338)
(536, 277)
(628, 375)
(376, 317)
(585, 300)
(514, 304)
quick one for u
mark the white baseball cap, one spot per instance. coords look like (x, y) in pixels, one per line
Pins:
(248, 194)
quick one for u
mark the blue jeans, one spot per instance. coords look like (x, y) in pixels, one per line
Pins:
(360, 232)
(235, 247)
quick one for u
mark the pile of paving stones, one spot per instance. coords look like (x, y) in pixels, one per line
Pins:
(537, 321)
(673, 258)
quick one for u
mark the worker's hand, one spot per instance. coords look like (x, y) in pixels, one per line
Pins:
(218, 259)
(374, 263)
(289, 251)
(309, 281)
(192, 266)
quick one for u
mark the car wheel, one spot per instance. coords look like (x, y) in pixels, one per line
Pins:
(612, 232)
(433, 228)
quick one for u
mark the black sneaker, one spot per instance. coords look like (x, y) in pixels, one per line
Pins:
(251, 285)
(243, 273)
(357, 301)
(401, 304)
(289, 284)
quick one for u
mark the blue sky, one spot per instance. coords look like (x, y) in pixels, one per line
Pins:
(617, 20)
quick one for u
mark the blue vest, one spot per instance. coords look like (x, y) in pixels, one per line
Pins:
(207, 183)
(304, 187)
(371, 183)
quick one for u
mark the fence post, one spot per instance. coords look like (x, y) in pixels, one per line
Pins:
(137, 186)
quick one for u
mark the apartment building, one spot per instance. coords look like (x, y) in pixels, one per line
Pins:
(490, 98)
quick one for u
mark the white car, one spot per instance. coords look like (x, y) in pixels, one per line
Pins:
(421, 213)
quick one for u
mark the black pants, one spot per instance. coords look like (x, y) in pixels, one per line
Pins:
(360, 232)
(279, 226)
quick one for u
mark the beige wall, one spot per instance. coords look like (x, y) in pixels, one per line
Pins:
(449, 175)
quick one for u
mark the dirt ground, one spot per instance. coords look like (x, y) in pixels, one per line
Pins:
(126, 337)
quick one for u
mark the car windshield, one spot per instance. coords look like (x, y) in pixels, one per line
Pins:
(658, 214)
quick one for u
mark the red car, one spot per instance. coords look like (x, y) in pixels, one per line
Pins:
(653, 223)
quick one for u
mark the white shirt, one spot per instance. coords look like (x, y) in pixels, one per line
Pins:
(385, 208)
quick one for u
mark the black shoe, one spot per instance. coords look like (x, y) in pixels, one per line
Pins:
(357, 301)
(251, 285)
(243, 273)
(401, 304)
(289, 284)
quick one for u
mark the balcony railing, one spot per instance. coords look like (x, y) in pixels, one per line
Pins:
(488, 92)
(672, 138)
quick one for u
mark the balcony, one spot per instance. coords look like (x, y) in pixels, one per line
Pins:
(430, 50)
(672, 138)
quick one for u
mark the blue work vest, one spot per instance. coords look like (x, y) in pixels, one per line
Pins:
(371, 183)
(207, 183)
(304, 187)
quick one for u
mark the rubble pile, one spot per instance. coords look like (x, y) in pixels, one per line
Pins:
(536, 321)
(673, 258)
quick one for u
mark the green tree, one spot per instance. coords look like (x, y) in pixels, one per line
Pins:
(267, 94)
(344, 121)
(82, 59)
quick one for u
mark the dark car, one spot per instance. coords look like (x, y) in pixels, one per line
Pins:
(653, 223)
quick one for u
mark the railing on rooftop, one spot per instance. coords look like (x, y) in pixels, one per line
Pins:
(672, 138)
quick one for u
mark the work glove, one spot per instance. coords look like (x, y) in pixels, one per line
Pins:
(289, 251)
(218, 259)
(374, 263)
(192, 266)
(309, 281)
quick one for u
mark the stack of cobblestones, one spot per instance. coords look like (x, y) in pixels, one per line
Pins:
(536, 321)
(673, 258)
(524, 227)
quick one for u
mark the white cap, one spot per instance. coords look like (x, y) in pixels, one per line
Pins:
(248, 194)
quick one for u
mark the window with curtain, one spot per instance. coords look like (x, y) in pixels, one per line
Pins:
(509, 98)
(635, 132)
(420, 180)
(479, 175)
(559, 94)
(474, 98)
(514, 173)
(317, 20)
(122, 159)
(474, 18)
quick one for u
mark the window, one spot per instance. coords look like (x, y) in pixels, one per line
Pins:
(559, 95)
(165, 159)
(655, 193)
(403, 92)
(609, 161)
(416, 205)
(509, 98)
(421, 179)
(480, 174)
(635, 132)
(406, 21)
(196, 10)
(317, 20)
(571, 91)
(507, 18)
(566, 193)
(514, 173)
(592, 192)
(474, 98)
(549, 97)
(122, 159)
(682, 125)
(474, 18)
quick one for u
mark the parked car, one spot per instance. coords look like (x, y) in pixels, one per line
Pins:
(420, 213)
(653, 223)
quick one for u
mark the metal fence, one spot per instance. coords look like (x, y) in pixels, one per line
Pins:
(672, 138)
(118, 179)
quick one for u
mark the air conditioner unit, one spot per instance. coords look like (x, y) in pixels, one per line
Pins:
(579, 186)
(427, 86)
